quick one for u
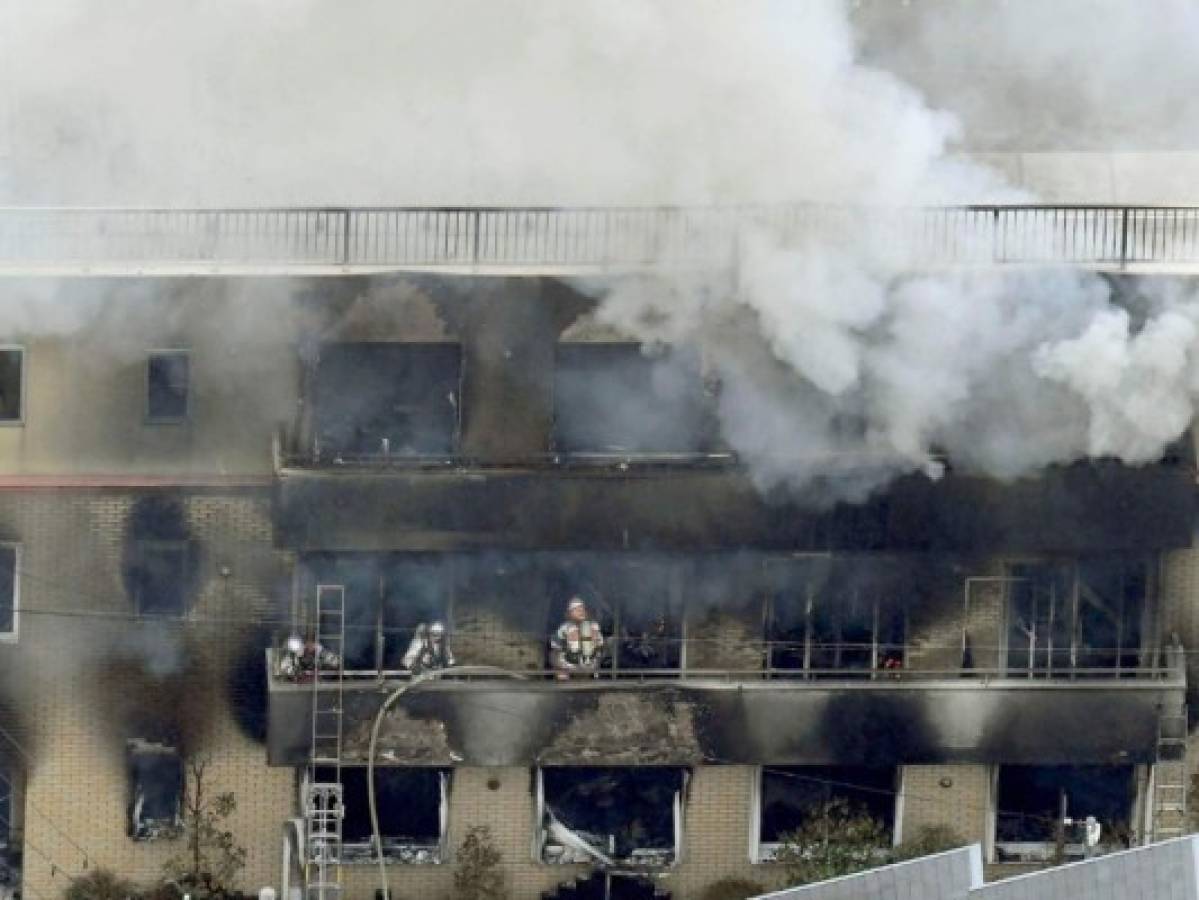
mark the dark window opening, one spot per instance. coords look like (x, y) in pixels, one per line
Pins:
(381, 399)
(1031, 802)
(159, 578)
(609, 886)
(386, 599)
(617, 399)
(8, 589)
(12, 378)
(605, 815)
(793, 797)
(156, 791)
(1086, 615)
(168, 381)
(1112, 596)
(826, 617)
(412, 805)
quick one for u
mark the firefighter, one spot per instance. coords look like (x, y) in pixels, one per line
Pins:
(578, 643)
(303, 657)
(429, 650)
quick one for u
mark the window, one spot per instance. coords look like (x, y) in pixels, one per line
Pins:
(1031, 801)
(617, 399)
(12, 384)
(792, 798)
(413, 805)
(159, 578)
(606, 815)
(155, 791)
(830, 616)
(386, 598)
(1088, 614)
(10, 564)
(386, 399)
(168, 381)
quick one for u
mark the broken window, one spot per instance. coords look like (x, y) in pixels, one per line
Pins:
(413, 807)
(1113, 594)
(620, 399)
(834, 616)
(10, 556)
(1063, 616)
(155, 791)
(159, 578)
(12, 384)
(386, 598)
(637, 602)
(168, 377)
(610, 815)
(1032, 803)
(793, 797)
(387, 399)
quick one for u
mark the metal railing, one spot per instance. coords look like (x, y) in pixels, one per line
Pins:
(591, 237)
(878, 674)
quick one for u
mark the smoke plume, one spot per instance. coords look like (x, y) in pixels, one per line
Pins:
(841, 364)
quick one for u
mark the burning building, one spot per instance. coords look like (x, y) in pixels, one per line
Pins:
(231, 502)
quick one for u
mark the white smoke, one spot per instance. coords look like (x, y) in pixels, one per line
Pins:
(839, 367)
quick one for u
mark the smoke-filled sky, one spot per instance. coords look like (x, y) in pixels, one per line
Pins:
(829, 352)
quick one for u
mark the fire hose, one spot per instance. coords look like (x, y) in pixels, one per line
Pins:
(391, 700)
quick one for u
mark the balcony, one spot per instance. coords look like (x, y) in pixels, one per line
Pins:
(710, 503)
(744, 717)
(575, 240)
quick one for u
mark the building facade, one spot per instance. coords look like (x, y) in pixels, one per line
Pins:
(195, 465)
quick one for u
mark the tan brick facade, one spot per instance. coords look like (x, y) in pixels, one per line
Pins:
(957, 797)
(83, 677)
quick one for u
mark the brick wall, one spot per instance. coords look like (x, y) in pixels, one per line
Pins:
(83, 677)
(935, 625)
(953, 796)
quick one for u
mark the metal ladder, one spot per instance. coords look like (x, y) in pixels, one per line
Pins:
(1170, 776)
(323, 800)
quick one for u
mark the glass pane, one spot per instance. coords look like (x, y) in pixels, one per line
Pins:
(11, 376)
(167, 385)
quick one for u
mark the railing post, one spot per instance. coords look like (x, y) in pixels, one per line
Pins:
(474, 258)
(1124, 237)
(345, 237)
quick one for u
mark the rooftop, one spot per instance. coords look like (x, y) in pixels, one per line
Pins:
(578, 240)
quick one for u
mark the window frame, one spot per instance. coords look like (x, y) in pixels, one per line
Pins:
(1139, 814)
(11, 635)
(1074, 604)
(679, 806)
(185, 550)
(445, 778)
(765, 852)
(24, 386)
(151, 355)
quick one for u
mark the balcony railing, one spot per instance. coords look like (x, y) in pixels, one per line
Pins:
(587, 238)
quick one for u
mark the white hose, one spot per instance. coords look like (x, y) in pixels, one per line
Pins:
(391, 700)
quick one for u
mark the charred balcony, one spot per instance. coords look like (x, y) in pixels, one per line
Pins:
(743, 718)
(786, 660)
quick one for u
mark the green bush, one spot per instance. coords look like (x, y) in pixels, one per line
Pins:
(100, 884)
(929, 839)
(837, 840)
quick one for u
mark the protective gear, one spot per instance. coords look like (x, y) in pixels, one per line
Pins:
(429, 649)
(301, 659)
(578, 643)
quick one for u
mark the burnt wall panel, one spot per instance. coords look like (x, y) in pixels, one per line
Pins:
(1086, 507)
(670, 723)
